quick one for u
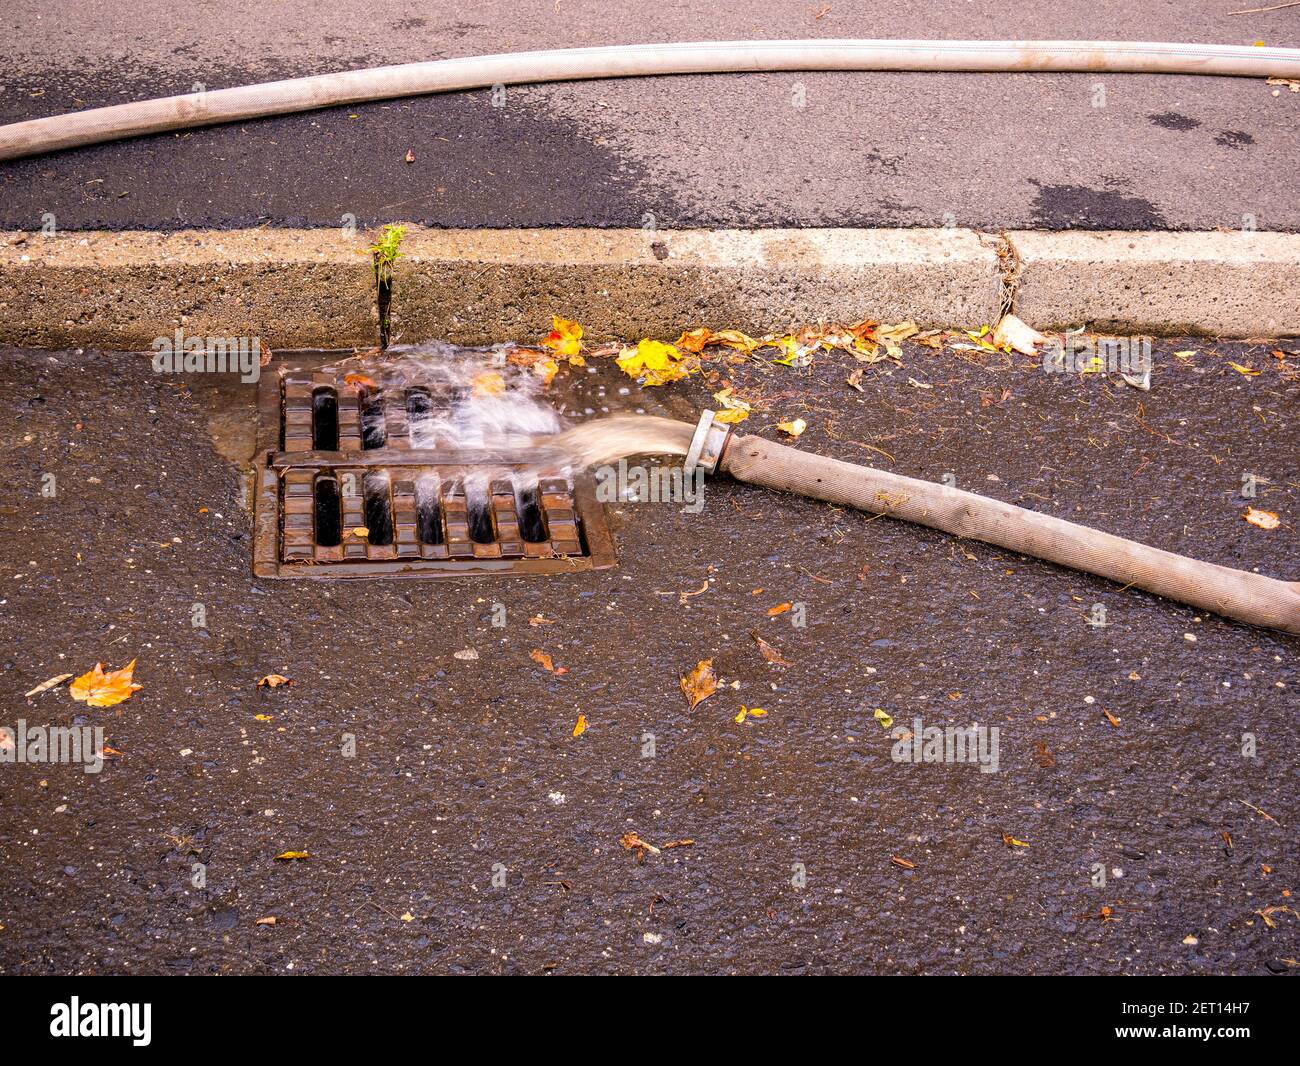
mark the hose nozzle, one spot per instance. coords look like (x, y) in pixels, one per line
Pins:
(707, 445)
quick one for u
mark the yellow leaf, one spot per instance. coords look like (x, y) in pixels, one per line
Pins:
(264, 717)
(407, 916)
(735, 340)
(700, 683)
(757, 712)
(1012, 842)
(654, 363)
(886, 720)
(99, 689)
(288, 856)
(1263, 519)
(734, 410)
(1248, 371)
(794, 428)
(565, 337)
(580, 726)
(749, 712)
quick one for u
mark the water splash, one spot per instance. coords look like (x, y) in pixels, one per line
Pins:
(490, 403)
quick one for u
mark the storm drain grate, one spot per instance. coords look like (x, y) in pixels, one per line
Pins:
(354, 482)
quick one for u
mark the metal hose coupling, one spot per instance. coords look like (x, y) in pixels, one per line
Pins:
(707, 445)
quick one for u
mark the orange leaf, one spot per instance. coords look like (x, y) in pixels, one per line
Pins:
(1263, 519)
(489, 383)
(700, 683)
(780, 608)
(542, 659)
(695, 340)
(99, 689)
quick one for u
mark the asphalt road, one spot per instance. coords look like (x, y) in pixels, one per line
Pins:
(988, 151)
(472, 833)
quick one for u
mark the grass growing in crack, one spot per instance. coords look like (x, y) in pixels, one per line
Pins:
(385, 252)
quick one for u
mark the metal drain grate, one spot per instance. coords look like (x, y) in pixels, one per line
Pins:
(352, 482)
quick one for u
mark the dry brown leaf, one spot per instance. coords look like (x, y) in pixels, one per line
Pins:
(48, 683)
(541, 620)
(273, 681)
(906, 864)
(768, 652)
(1110, 718)
(269, 920)
(631, 841)
(700, 683)
(1023, 338)
(99, 689)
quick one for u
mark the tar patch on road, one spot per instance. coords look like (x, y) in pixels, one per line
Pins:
(1082, 207)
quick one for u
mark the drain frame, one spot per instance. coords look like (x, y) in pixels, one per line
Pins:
(288, 464)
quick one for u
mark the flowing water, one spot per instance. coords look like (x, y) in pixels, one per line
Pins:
(479, 401)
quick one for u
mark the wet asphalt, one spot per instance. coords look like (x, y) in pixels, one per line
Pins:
(472, 833)
(989, 151)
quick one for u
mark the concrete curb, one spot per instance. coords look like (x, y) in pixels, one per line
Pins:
(314, 288)
(1234, 284)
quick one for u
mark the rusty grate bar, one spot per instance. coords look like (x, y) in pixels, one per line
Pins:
(356, 482)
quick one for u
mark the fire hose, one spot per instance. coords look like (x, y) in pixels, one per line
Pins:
(210, 107)
(1238, 594)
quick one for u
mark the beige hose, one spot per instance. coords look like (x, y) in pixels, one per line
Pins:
(1247, 597)
(621, 61)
